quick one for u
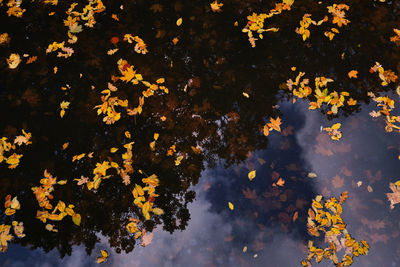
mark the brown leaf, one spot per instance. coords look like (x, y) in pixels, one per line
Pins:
(337, 181)
(250, 194)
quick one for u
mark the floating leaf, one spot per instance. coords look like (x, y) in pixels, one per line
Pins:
(103, 257)
(65, 145)
(215, 6)
(230, 205)
(252, 175)
(312, 175)
(179, 22)
(352, 74)
(13, 61)
(76, 218)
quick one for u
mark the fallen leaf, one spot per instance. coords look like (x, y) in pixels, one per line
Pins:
(146, 239)
(230, 205)
(179, 22)
(280, 182)
(337, 181)
(252, 175)
(115, 17)
(312, 175)
(215, 6)
(369, 188)
(103, 257)
(31, 59)
(352, 74)
(295, 216)
(65, 145)
(13, 61)
(76, 218)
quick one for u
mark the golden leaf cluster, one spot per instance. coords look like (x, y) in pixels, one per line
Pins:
(5, 146)
(324, 217)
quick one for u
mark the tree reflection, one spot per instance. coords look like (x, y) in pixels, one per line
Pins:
(207, 72)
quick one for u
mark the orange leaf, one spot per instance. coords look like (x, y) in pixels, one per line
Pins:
(352, 74)
(275, 124)
(295, 216)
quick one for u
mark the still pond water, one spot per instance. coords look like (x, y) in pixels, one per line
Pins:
(221, 93)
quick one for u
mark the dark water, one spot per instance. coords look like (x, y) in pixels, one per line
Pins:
(216, 61)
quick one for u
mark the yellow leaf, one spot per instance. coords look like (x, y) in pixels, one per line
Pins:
(89, 185)
(158, 211)
(64, 104)
(138, 234)
(128, 134)
(9, 211)
(252, 175)
(113, 149)
(179, 22)
(13, 61)
(76, 218)
(336, 126)
(156, 135)
(178, 160)
(312, 175)
(246, 95)
(230, 205)
(62, 112)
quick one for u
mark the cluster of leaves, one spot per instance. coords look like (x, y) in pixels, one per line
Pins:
(338, 18)
(386, 105)
(305, 23)
(274, 124)
(256, 21)
(130, 75)
(200, 116)
(325, 217)
(13, 159)
(87, 16)
(386, 76)
(301, 89)
(43, 196)
(11, 205)
(14, 8)
(396, 39)
(333, 131)
(140, 46)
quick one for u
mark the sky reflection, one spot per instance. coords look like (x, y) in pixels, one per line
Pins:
(216, 236)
